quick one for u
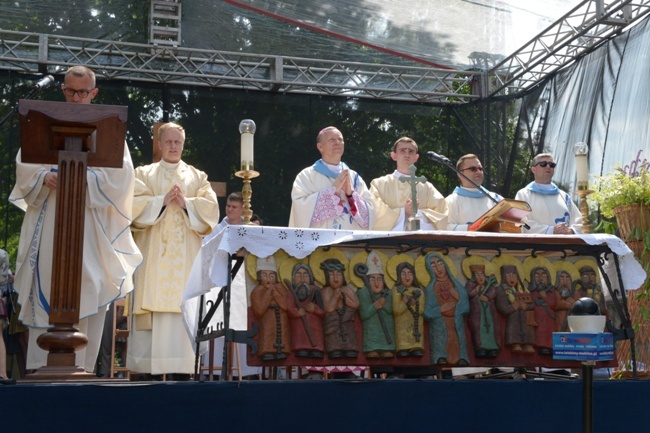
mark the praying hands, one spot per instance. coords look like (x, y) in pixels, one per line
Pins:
(175, 195)
(342, 183)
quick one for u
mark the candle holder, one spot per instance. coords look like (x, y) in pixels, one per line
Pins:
(247, 192)
(584, 208)
(247, 130)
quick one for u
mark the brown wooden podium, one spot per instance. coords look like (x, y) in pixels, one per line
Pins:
(74, 136)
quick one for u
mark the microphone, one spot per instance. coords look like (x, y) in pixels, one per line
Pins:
(441, 159)
(44, 82)
(438, 158)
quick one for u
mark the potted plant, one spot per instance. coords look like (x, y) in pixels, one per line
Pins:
(624, 195)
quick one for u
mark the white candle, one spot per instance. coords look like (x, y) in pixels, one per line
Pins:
(582, 164)
(247, 151)
(247, 130)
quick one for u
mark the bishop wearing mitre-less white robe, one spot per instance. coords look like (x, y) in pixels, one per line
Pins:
(329, 194)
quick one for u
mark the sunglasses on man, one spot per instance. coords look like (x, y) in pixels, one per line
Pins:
(473, 169)
(545, 163)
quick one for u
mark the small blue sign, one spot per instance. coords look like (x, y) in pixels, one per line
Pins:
(583, 347)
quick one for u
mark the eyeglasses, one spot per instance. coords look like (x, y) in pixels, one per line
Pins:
(82, 93)
(473, 169)
(545, 163)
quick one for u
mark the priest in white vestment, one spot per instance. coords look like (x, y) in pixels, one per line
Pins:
(467, 203)
(173, 208)
(330, 195)
(393, 196)
(553, 210)
(109, 254)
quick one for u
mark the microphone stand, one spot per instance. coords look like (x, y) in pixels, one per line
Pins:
(446, 162)
(29, 94)
(13, 111)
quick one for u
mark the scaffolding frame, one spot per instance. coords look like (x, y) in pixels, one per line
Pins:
(580, 31)
(164, 61)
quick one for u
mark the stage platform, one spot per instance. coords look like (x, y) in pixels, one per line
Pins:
(363, 405)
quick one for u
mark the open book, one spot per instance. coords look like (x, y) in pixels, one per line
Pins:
(507, 210)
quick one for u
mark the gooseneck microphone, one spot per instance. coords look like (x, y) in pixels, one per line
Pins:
(44, 82)
(40, 84)
(441, 159)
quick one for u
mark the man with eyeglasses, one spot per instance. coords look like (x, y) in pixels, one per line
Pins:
(553, 210)
(110, 254)
(392, 196)
(466, 203)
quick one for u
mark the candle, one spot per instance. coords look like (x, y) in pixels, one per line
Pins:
(581, 151)
(247, 130)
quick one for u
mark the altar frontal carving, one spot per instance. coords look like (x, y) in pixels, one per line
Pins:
(359, 306)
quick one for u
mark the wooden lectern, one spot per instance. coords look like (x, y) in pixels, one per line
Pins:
(74, 136)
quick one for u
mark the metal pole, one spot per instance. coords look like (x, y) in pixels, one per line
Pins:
(587, 396)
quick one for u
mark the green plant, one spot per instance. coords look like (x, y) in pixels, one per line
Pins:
(629, 185)
(624, 186)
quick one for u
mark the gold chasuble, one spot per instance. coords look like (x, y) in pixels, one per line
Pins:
(390, 195)
(169, 238)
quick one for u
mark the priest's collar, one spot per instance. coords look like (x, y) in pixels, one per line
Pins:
(329, 170)
(169, 165)
(468, 192)
(544, 188)
(476, 192)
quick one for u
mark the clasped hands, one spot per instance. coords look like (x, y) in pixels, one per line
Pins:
(408, 207)
(175, 195)
(342, 183)
(562, 229)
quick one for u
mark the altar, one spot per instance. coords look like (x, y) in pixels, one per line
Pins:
(408, 299)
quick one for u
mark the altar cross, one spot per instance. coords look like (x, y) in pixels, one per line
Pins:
(413, 180)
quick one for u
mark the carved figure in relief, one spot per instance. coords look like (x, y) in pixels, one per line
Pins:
(483, 326)
(516, 304)
(447, 303)
(564, 295)
(376, 309)
(306, 311)
(543, 295)
(341, 304)
(588, 285)
(408, 309)
(269, 305)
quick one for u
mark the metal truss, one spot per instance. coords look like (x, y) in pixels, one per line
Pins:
(578, 32)
(39, 53)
